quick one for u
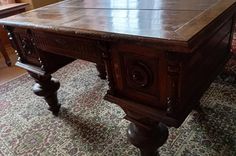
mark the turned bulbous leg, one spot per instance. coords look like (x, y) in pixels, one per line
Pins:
(147, 139)
(47, 87)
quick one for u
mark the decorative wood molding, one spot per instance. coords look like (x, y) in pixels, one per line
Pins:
(28, 44)
(106, 57)
(13, 42)
(173, 71)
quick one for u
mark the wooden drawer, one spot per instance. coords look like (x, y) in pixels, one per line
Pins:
(71, 46)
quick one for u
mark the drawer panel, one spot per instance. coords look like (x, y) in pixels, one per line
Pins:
(71, 46)
(137, 72)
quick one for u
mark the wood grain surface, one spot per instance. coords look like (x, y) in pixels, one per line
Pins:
(155, 20)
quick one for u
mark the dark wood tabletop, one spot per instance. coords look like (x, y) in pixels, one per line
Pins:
(172, 21)
(159, 56)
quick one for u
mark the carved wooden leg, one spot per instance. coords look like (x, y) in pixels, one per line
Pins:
(102, 70)
(149, 138)
(47, 87)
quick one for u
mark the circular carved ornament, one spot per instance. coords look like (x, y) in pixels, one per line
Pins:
(139, 75)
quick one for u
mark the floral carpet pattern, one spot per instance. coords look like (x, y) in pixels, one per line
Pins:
(90, 126)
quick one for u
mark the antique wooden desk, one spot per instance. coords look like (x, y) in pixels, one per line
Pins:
(159, 55)
(5, 11)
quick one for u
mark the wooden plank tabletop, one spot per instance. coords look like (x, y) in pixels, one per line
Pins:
(158, 19)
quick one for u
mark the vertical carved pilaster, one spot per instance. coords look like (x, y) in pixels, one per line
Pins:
(101, 67)
(102, 70)
(174, 69)
(106, 57)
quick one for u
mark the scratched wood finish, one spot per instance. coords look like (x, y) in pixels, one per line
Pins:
(159, 55)
(161, 21)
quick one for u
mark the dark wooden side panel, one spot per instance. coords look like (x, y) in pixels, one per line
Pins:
(203, 65)
(137, 74)
(170, 83)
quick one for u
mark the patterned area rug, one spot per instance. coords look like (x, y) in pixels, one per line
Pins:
(91, 126)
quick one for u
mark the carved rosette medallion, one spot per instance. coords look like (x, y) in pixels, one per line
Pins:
(139, 75)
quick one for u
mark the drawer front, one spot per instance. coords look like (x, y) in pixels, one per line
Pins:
(71, 46)
(137, 73)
